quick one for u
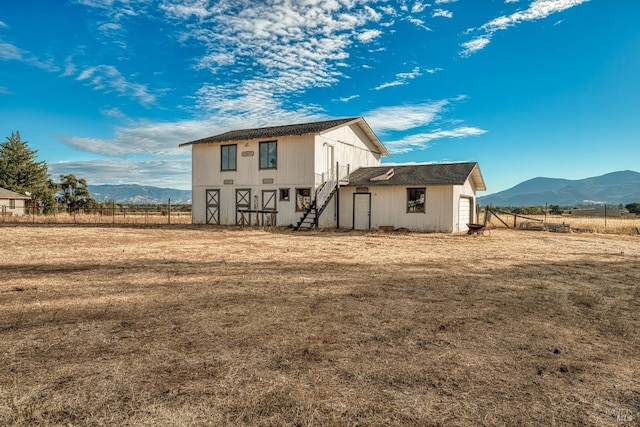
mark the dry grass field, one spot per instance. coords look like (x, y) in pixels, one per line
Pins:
(192, 325)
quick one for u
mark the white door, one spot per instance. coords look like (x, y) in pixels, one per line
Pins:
(361, 211)
(465, 215)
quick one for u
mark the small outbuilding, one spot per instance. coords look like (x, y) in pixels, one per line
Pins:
(430, 197)
(12, 203)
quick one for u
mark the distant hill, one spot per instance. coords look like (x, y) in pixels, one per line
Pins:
(139, 194)
(612, 188)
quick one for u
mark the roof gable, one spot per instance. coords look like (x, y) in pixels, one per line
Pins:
(289, 130)
(272, 131)
(8, 194)
(428, 175)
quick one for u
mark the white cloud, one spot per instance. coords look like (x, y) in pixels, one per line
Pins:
(108, 79)
(173, 173)
(420, 141)
(538, 9)
(348, 98)
(401, 79)
(511, 1)
(4, 91)
(111, 26)
(442, 13)
(418, 23)
(368, 35)
(475, 45)
(10, 52)
(418, 7)
(405, 117)
(445, 1)
(3, 25)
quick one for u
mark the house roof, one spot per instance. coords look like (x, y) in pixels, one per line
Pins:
(8, 194)
(295, 129)
(427, 175)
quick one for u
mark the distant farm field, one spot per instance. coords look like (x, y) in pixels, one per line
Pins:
(193, 325)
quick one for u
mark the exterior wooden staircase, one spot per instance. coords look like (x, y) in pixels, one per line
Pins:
(309, 218)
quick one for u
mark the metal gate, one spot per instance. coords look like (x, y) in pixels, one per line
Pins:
(213, 206)
(243, 201)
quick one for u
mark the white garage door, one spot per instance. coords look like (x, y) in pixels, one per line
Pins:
(464, 213)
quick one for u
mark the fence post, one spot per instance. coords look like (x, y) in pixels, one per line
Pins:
(169, 212)
(113, 211)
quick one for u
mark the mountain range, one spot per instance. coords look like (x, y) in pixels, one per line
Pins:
(612, 188)
(139, 194)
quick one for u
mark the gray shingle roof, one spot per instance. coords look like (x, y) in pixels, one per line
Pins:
(432, 174)
(273, 131)
(8, 194)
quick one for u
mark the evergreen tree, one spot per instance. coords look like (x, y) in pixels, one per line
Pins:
(20, 172)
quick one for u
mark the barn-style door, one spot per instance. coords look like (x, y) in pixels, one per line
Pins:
(268, 204)
(243, 201)
(213, 207)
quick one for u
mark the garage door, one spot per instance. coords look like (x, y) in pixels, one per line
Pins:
(465, 215)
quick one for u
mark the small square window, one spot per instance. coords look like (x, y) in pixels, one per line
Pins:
(284, 194)
(268, 155)
(415, 199)
(228, 157)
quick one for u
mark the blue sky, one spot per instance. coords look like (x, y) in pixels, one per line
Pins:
(107, 89)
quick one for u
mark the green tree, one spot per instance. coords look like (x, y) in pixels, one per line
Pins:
(20, 172)
(75, 194)
(633, 208)
(555, 210)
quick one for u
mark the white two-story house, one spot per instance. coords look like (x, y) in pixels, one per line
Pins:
(324, 174)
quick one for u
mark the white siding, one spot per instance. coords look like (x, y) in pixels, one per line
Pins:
(350, 149)
(6, 207)
(389, 208)
(294, 170)
(465, 190)
(301, 159)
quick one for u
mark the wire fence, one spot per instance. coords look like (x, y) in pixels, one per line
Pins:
(133, 214)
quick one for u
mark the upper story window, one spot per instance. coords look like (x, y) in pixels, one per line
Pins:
(415, 199)
(228, 157)
(268, 155)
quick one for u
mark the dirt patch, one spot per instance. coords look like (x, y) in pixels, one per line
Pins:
(215, 326)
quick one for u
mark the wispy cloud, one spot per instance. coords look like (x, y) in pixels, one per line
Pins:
(3, 25)
(421, 141)
(4, 91)
(10, 52)
(445, 1)
(538, 9)
(442, 13)
(284, 48)
(107, 78)
(401, 79)
(348, 98)
(405, 117)
(475, 45)
(418, 23)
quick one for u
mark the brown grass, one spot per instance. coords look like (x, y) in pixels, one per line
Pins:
(213, 326)
(629, 225)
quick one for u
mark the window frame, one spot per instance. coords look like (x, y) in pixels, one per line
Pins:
(275, 155)
(235, 157)
(416, 199)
